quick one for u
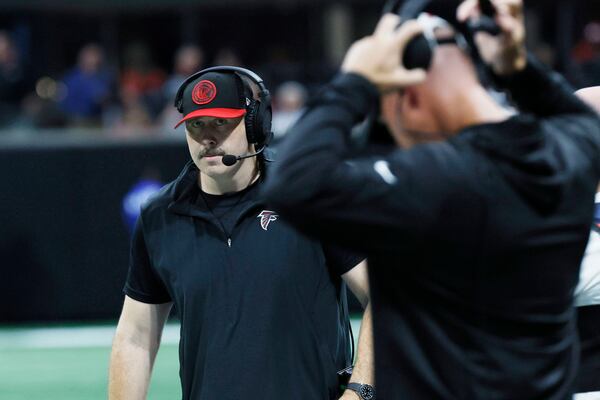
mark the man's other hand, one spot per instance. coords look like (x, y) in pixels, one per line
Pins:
(504, 53)
(377, 57)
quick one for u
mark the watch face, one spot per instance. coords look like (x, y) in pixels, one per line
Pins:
(367, 392)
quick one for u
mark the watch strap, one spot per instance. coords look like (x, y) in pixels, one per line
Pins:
(358, 388)
(354, 387)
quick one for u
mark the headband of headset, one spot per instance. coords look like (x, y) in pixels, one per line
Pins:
(418, 52)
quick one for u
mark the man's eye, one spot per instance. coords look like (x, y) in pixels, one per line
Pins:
(197, 124)
(220, 122)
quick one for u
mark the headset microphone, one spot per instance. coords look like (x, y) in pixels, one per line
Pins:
(230, 159)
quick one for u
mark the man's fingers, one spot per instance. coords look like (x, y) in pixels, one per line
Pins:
(414, 76)
(402, 78)
(407, 31)
(377, 57)
(512, 27)
(387, 24)
(507, 10)
(513, 7)
(467, 9)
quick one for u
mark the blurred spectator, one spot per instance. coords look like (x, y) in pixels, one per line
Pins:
(132, 118)
(188, 60)
(38, 112)
(12, 81)
(588, 47)
(587, 54)
(227, 56)
(545, 53)
(281, 66)
(88, 88)
(289, 101)
(141, 78)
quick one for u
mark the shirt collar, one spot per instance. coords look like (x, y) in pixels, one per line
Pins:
(186, 189)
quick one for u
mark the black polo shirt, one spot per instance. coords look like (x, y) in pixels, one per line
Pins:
(258, 301)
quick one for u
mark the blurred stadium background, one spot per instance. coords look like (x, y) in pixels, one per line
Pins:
(86, 134)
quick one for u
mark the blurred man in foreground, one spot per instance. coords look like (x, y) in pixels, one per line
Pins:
(474, 242)
(587, 294)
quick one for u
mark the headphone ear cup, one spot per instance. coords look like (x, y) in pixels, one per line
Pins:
(261, 122)
(418, 53)
(266, 117)
(250, 121)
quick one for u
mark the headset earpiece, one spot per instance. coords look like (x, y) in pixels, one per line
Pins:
(262, 117)
(251, 126)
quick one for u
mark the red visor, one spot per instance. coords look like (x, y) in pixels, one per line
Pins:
(215, 113)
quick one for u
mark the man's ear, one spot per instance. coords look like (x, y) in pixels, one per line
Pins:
(389, 103)
(410, 99)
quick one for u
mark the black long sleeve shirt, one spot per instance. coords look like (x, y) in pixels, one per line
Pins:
(474, 243)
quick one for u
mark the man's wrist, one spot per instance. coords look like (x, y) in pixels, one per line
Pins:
(358, 83)
(354, 92)
(352, 394)
(364, 391)
(517, 63)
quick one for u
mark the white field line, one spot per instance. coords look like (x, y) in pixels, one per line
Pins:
(49, 338)
(91, 336)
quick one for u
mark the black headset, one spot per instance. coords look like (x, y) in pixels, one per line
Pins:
(258, 112)
(419, 51)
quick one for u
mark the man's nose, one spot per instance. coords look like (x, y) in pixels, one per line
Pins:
(208, 139)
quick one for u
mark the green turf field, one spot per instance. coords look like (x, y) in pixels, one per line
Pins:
(75, 374)
(72, 363)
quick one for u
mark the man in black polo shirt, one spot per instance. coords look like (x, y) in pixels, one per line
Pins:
(259, 303)
(475, 233)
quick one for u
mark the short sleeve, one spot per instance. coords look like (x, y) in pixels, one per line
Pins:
(587, 292)
(340, 260)
(143, 284)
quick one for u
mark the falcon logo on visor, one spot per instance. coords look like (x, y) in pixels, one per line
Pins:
(266, 217)
(204, 92)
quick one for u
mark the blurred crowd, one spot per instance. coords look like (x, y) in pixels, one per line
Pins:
(135, 98)
(131, 101)
(586, 55)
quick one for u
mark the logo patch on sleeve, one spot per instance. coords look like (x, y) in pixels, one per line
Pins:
(383, 169)
(266, 217)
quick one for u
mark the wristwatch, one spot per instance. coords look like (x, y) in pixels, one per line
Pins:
(364, 391)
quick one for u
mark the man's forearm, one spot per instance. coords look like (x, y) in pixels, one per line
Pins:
(130, 370)
(364, 368)
(541, 91)
(318, 142)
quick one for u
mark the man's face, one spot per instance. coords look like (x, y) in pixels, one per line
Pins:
(425, 112)
(411, 116)
(210, 138)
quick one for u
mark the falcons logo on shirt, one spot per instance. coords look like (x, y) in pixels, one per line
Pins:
(266, 217)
